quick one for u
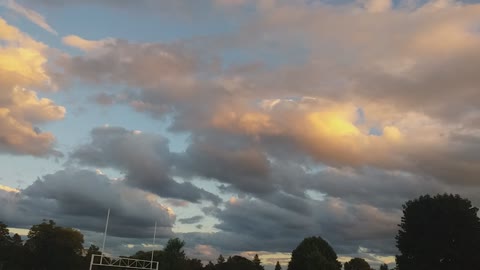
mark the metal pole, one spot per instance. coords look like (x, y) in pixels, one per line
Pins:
(105, 234)
(91, 261)
(153, 246)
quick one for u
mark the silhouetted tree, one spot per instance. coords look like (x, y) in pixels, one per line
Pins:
(239, 263)
(193, 264)
(209, 266)
(257, 262)
(384, 267)
(17, 240)
(173, 255)
(277, 266)
(5, 239)
(92, 250)
(5, 244)
(440, 232)
(357, 264)
(147, 255)
(314, 253)
(54, 247)
(220, 259)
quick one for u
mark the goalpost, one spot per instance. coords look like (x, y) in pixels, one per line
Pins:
(119, 262)
(101, 260)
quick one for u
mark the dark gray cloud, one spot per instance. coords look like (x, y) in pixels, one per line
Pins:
(191, 220)
(145, 159)
(228, 159)
(252, 224)
(80, 199)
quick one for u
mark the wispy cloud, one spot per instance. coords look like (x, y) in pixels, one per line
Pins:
(31, 15)
(85, 44)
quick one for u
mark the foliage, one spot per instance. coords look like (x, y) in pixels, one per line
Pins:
(209, 266)
(384, 267)
(238, 263)
(357, 264)
(54, 247)
(5, 238)
(220, 259)
(278, 266)
(314, 253)
(257, 262)
(173, 255)
(440, 232)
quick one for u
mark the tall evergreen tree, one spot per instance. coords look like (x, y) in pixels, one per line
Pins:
(257, 262)
(220, 259)
(278, 266)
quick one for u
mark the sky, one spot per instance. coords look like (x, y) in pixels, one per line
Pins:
(240, 126)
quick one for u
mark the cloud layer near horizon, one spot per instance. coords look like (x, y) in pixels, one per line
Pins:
(335, 115)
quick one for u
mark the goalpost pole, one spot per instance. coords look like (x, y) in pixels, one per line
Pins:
(105, 234)
(153, 246)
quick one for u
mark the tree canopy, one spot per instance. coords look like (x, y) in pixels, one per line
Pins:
(357, 264)
(278, 266)
(54, 247)
(440, 232)
(314, 253)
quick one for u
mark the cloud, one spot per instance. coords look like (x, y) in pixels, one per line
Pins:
(336, 118)
(80, 199)
(144, 157)
(247, 225)
(21, 67)
(9, 189)
(376, 6)
(238, 163)
(191, 220)
(31, 15)
(85, 44)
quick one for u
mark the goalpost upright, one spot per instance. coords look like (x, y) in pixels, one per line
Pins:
(102, 260)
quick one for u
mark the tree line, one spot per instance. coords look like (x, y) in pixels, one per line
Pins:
(440, 232)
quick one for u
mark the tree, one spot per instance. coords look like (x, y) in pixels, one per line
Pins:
(239, 263)
(384, 267)
(92, 250)
(209, 266)
(158, 255)
(5, 244)
(220, 259)
(173, 255)
(357, 264)
(193, 264)
(257, 262)
(17, 240)
(314, 253)
(54, 247)
(277, 266)
(440, 232)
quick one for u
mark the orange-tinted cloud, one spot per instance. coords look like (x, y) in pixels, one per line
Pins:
(22, 61)
(85, 44)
